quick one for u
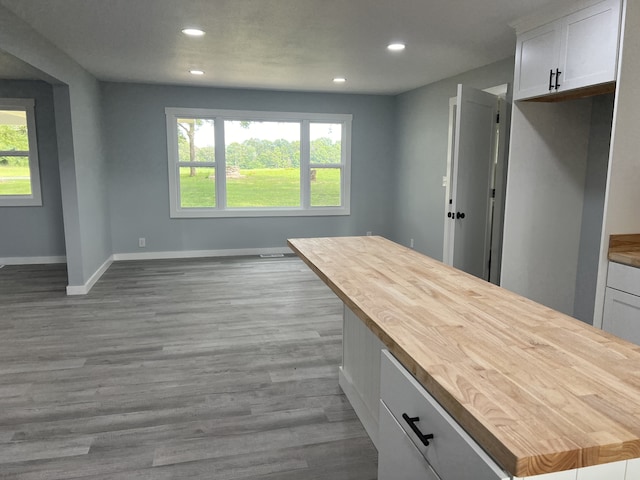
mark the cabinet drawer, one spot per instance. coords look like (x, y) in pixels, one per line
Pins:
(622, 315)
(624, 278)
(452, 453)
(398, 458)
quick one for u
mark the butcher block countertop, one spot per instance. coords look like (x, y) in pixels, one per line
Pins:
(625, 249)
(538, 390)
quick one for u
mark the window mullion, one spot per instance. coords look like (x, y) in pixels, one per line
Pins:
(305, 161)
(14, 153)
(221, 164)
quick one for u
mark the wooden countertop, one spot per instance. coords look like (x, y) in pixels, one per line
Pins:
(540, 391)
(625, 249)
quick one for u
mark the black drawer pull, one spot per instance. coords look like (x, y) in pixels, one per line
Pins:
(551, 75)
(558, 73)
(412, 423)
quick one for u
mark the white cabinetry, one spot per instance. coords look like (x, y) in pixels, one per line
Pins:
(622, 302)
(450, 452)
(359, 374)
(398, 458)
(578, 50)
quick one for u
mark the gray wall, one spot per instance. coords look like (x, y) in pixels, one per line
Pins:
(83, 164)
(422, 124)
(36, 231)
(545, 199)
(137, 148)
(592, 210)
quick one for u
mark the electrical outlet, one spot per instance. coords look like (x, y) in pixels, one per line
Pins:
(411, 243)
(142, 242)
(369, 234)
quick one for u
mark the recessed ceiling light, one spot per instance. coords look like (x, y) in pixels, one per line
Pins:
(339, 80)
(196, 72)
(193, 32)
(396, 47)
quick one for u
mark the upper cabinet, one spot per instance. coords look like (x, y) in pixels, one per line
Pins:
(575, 51)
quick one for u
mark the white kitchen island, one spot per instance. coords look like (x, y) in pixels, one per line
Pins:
(507, 387)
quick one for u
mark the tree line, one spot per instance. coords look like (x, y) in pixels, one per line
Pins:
(257, 153)
(14, 138)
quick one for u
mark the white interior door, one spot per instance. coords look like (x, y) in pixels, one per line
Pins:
(470, 203)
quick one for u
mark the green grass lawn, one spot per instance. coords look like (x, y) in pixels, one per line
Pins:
(260, 188)
(268, 187)
(9, 185)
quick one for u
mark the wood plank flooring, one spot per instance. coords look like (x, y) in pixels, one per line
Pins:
(176, 369)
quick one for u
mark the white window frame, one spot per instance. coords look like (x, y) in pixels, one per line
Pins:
(221, 210)
(35, 199)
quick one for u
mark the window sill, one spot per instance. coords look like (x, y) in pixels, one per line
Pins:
(248, 213)
(20, 201)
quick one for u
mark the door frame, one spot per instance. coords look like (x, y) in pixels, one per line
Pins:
(503, 92)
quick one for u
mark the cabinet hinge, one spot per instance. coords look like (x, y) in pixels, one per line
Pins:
(498, 117)
(493, 193)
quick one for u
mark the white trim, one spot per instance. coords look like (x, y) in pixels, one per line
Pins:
(498, 90)
(32, 260)
(35, 199)
(230, 252)
(84, 289)
(220, 209)
(254, 212)
(547, 15)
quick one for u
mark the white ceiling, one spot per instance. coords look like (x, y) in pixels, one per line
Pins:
(280, 44)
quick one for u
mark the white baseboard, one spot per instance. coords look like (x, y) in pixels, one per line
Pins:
(369, 422)
(32, 260)
(84, 289)
(232, 252)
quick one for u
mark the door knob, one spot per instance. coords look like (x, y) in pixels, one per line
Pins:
(459, 215)
(449, 214)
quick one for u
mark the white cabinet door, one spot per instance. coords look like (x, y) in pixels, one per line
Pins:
(589, 46)
(622, 315)
(537, 56)
(473, 161)
(578, 50)
(398, 458)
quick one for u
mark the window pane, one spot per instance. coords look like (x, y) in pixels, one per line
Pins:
(197, 187)
(325, 187)
(15, 176)
(326, 143)
(263, 164)
(13, 131)
(196, 140)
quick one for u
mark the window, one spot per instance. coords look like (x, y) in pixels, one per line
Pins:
(19, 174)
(227, 163)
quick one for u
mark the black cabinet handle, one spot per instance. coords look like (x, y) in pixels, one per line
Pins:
(558, 73)
(412, 423)
(551, 75)
(460, 215)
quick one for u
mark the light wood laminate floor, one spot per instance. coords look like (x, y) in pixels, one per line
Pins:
(176, 369)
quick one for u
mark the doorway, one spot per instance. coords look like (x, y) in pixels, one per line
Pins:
(475, 181)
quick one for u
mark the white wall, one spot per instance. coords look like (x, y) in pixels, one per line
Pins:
(622, 208)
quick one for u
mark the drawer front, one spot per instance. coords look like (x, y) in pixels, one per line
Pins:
(624, 278)
(452, 453)
(398, 458)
